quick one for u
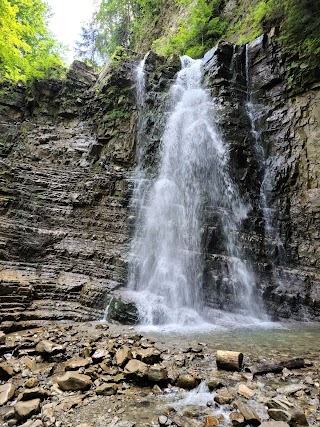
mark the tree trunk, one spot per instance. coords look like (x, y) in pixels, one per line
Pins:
(264, 368)
(229, 360)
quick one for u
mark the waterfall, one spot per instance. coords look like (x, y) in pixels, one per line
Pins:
(167, 260)
(255, 113)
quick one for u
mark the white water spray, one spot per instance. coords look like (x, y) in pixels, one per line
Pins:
(167, 260)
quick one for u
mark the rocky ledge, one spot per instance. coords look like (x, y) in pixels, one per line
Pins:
(95, 375)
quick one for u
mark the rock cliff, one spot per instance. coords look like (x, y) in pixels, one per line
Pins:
(68, 149)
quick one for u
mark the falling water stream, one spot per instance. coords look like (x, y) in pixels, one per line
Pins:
(255, 112)
(167, 260)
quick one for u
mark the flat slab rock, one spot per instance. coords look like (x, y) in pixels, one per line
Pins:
(274, 424)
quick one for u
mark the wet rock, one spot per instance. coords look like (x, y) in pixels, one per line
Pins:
(6, 371)
(107, 389)
(211, 421)
(6, 393)
(123, 311)
(77, 363)
(250, 415)
(74, 381)
(224, 397)
(215, 385)
(25, 409)
(157, 374)
(237, 419)
(49, 347)
(187, 381)
(123, 355)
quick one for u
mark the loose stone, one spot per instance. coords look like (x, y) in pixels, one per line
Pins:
(25, 409)
(6, 393)
(74, 381)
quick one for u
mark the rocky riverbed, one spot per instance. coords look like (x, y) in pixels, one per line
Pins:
(97, 375)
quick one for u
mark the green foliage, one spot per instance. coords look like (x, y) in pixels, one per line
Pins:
(299, 24)
(196, 34)
(86, 49)
(121, 22)
(27, 49)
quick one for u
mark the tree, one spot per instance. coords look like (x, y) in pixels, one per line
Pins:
(87, 48)
(27, 49)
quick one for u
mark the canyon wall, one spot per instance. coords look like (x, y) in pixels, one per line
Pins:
(68, 151)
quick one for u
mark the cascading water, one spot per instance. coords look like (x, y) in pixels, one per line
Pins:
(255, 112)
(167, 260)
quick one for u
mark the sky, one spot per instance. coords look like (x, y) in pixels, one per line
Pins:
(68, 15)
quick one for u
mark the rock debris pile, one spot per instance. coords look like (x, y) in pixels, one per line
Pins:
(93, 375)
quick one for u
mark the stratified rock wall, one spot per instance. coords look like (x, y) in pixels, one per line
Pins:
(68, 151)
(286, 261)
(67, 154)
(64, 206)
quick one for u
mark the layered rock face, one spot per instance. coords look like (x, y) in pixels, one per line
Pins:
(68, 153)
(64, 196)
(280, 235)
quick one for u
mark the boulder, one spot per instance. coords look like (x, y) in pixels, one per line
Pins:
(157, 374)
(284, 410)
(237, 419)
(34, 393)
(123, 311)
(224, 397)
(291, 388)
(6, 393)
(136, 370)
(99, 355)
(107, 389)
(6, 371)
(123, 355)
(211, 421)
(77, 363)
(74, 381)
(245, 391)
(49, 347)
(250, 415)
(25, 409)
(187, 381)
(149, 355)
